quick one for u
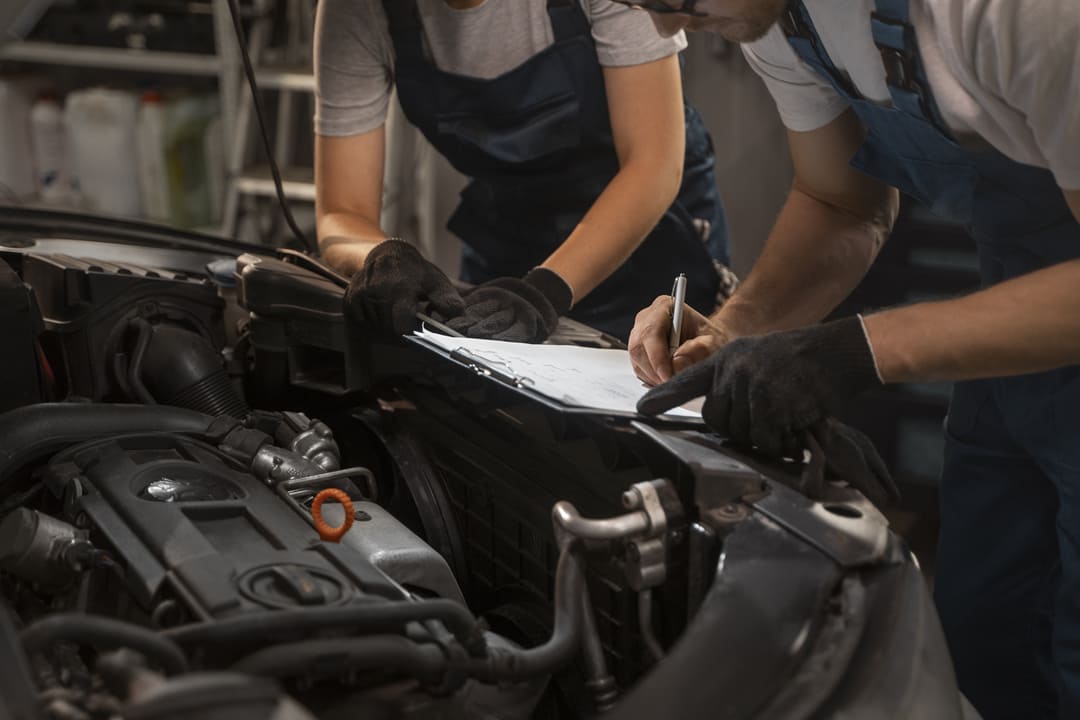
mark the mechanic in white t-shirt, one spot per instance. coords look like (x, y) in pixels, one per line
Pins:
(592, 183)
(973, 108)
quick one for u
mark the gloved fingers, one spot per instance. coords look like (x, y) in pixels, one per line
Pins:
(716, 412)
(693, 382)
(522, 331)
(446, 300)
(739, 409)
(852, 457)
(489, 324)
(767, 426)
(886, 487)
(403, 314)
(443, 296)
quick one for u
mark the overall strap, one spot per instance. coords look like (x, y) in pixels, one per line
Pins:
(406, 32)
(905, 73)
(803, 37)
(568, 20)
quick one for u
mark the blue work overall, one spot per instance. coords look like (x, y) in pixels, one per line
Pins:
(536, 143)
(1007, 581)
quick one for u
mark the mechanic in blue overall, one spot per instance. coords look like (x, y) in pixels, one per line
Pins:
(592, 182)
(972, 107)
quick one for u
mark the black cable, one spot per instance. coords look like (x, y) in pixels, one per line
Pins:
(249, 71)
(106, 634)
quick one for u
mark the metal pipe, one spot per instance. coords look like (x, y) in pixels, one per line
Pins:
(597, 677)
(648, 633)
(567, 518)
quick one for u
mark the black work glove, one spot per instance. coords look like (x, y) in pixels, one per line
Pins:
(525, 310)
(848, 455)
(395, 283)
(767, 390)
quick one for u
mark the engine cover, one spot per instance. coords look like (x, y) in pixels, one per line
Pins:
(190, 524)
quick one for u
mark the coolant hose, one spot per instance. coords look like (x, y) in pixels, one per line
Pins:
(104, 634)
(33, 431)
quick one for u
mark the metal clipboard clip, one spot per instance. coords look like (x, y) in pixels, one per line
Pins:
(488, 368)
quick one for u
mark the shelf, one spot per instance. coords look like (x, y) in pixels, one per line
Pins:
(298, 79)
(298, 183)
(111, 58)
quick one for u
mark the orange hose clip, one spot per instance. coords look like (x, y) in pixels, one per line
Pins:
(327, 533)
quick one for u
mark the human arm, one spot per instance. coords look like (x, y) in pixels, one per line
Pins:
(1024, 325)
(348, 197)
(646, 109)
(645, 104)
(353, 85)
(826, 237)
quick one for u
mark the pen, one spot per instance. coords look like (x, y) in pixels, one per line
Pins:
(428, 320)
(678, 301)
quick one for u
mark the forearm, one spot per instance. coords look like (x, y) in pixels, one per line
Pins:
(815, 256)
(616, 224)
(345, 239)
(1025, 325)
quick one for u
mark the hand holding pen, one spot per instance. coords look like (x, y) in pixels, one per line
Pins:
(670, 335)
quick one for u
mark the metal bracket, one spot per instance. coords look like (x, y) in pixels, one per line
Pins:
(643, 531)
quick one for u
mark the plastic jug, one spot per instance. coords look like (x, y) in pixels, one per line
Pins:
(153, 175)
(101, 129)
(49, 145)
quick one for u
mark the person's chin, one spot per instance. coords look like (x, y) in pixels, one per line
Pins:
(736, 31)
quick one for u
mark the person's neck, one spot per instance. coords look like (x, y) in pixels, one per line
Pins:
(463, 4)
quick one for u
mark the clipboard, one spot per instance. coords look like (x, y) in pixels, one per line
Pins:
(506, 377)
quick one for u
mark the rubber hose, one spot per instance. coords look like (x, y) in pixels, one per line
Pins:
(334, 656)
(362, 618)
(104, 633)
(34, 431)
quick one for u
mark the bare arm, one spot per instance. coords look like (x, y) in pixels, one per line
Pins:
(646, 107)
(1024, 325)
(348, 197)
(827, 235)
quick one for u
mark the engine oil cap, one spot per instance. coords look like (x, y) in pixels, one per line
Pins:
(290, 585)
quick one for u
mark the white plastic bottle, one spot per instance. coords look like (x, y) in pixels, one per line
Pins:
(47, 138)
(101, 131)
(153, 176)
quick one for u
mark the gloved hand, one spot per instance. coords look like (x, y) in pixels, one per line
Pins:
(525, 310)
(849, 456)
(766, 390)
(394, 284)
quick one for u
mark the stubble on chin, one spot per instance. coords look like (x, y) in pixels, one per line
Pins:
(758, 19)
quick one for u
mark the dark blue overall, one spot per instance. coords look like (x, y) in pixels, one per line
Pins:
(536, 143)
(1008, 569)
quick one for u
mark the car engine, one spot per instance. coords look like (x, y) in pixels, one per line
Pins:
(220, 499)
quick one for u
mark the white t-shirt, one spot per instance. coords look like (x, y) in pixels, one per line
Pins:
(1003, 72)
(354, 54)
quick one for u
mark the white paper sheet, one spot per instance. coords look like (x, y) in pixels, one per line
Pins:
(596, 378)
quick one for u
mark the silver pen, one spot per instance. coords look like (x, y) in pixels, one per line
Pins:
(678, 302)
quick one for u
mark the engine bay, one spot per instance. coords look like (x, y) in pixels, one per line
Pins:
(220, 499)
